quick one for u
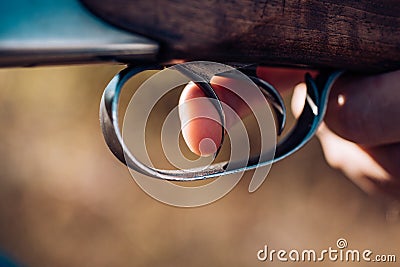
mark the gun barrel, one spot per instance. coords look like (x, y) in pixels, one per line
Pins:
(63, 32)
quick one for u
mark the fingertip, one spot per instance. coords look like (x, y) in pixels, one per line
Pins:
(298, 99)
(202, 136)
(201, 128)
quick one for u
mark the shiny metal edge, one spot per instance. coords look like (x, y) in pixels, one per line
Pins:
(42, 32)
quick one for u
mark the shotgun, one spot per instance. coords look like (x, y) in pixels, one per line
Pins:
(359, 36)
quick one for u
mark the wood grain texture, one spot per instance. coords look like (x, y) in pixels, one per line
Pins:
(355, 35)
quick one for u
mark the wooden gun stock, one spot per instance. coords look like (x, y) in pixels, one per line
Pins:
(354, 35)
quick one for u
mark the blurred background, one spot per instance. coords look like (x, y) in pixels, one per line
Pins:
(66, 201)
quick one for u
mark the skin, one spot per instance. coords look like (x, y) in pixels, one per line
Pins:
(196, 131)
(360, 134)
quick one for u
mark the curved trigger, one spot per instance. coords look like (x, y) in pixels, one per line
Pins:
(276, 101)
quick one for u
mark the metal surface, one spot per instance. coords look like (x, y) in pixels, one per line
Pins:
(39, 32)
(303, 131)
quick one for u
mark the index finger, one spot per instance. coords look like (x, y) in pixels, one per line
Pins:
(203, 135)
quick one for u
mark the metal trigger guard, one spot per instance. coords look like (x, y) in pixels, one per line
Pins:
(305, 128)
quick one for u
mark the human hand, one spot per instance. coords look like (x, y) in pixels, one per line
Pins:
(361, 136)
(361, 133)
